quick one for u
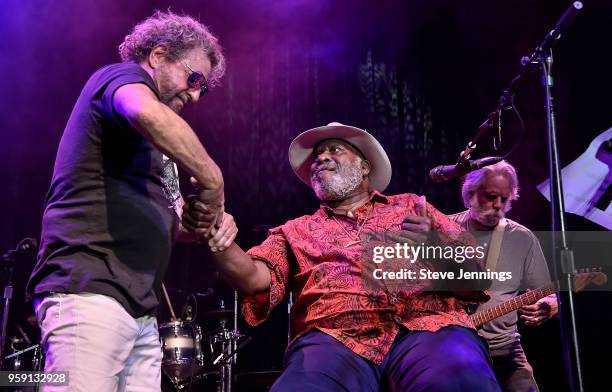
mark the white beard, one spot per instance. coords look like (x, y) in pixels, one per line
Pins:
(487, 217)
(340, 184)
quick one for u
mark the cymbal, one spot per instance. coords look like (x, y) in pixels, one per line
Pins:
(219, 314)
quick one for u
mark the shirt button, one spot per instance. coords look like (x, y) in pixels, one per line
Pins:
(398, 319)
(393, 300)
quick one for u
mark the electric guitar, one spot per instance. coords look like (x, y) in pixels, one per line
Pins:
(581, 280)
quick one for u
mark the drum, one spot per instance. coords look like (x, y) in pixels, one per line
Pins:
(182, 357)
(27, 359)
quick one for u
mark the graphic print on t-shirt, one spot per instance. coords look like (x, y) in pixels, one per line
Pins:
(171, 184)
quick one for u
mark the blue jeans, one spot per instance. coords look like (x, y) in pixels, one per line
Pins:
(451, 359)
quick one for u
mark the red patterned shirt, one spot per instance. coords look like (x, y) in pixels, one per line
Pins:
(308, 256)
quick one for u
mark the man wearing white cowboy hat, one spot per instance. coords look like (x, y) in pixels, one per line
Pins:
(348, 338)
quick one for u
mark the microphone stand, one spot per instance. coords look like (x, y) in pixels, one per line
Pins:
(562, 255)
(530, 65)
(7, 261)
(504, 103)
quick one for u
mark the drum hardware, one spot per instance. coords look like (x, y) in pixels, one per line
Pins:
(225, 357)
(191, 355)
(210, 377)
(18, 359)
(7, 262)
(227, 342)
(218, 372)
(29, 359)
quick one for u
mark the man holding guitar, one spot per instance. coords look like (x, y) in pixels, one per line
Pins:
(488, 194)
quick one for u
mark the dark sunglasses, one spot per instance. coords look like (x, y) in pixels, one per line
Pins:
(196, 79)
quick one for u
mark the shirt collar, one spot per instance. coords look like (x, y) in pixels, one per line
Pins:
(375, 197)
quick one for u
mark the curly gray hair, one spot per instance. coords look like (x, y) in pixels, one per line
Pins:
(476, 178)
(179, 34)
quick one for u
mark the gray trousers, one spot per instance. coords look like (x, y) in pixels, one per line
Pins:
(512, 370)
(99, 344)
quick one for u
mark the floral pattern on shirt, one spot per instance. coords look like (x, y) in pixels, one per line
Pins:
(308, 257)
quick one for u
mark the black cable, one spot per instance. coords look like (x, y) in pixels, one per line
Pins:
(522, 133)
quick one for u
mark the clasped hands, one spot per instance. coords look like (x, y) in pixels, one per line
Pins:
(204, 215)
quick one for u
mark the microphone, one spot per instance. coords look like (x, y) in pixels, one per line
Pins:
(444, 173)
(566, 20)
(561, 26)
(26, 244)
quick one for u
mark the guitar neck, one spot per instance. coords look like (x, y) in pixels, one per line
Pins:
(484, 316)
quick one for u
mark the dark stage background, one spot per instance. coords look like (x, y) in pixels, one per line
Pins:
(419, 75)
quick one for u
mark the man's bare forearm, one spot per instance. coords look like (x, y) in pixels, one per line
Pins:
(175, 138)
(243, 273)
(170, 134)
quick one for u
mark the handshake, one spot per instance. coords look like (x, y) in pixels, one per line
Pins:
(204, 219)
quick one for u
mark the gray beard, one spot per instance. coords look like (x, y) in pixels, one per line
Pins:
(486, 217)
(341, 184)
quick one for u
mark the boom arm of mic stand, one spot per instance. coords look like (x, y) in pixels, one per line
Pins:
(504, 103)
(529, 65)
(562, 24)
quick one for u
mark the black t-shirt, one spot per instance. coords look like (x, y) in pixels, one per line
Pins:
(110, 219)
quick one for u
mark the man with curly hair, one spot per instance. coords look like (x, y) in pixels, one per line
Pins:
(113, 209)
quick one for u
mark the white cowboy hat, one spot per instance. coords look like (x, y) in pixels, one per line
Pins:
(300, 152)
